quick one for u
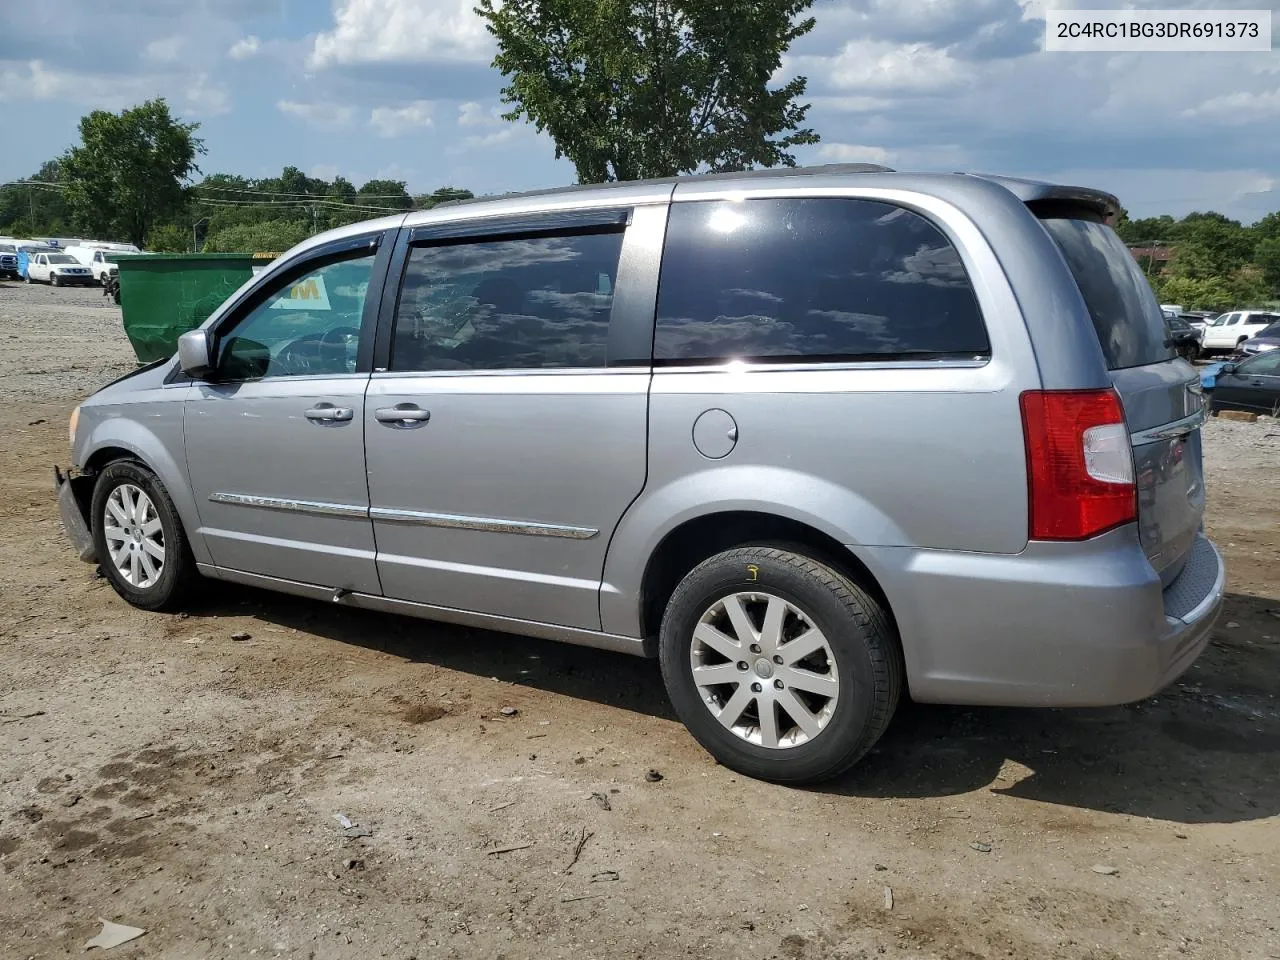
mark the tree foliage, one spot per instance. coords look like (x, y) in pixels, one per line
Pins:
(1217, 263)
(650, 88)
(269, 236)
(129, 170)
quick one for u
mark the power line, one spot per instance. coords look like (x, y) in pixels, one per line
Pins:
(310, 196)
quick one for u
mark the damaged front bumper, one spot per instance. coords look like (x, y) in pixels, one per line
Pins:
(74, 495)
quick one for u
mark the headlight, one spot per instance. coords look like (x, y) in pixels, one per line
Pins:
(71, 426)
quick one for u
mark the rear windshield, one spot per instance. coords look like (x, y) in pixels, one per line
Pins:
(1130, 325)
(1271, 331)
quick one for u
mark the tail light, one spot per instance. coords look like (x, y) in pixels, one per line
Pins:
(1079, 463)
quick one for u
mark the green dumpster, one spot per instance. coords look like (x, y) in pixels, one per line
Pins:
(163, 295)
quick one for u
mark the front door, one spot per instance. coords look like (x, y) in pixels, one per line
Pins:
(1254, 385)
(275, 443)
(502, 447)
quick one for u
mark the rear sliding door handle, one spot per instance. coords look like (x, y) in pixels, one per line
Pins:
(327, 413)
(402, 415)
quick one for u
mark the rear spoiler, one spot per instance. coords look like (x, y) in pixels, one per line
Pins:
(1044, 197)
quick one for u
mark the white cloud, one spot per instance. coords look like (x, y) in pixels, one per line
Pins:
(166, 49)
(473, 114)
(852, 153)
(245, 47)
(397, 121)
(34, 80)
(324, 171)
(402, 31)
(205, 98)
(879, 66)
(324, 115)
(1238, 108)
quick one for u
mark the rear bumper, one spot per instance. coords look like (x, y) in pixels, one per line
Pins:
(1059, 625)
(72, 497)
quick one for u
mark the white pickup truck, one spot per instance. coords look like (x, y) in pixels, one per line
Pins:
(1228, 331)
(57, 269)
(97, 258)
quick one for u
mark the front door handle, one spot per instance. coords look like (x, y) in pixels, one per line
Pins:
(402, 415)
(328, 413)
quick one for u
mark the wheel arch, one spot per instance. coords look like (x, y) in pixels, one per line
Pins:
(120, 438)
(698, 538)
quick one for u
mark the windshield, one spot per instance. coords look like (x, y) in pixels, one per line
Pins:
(1271, 331)
(1130, 325)
(7, 248)
(61, 258)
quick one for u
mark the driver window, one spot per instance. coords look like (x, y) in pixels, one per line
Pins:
(305, 328)
(1266, 365)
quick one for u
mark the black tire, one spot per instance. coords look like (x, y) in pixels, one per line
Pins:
(179, 570)
(53, 279)
(864, 645)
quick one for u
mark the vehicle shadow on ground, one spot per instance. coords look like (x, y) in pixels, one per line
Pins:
(1207, 750)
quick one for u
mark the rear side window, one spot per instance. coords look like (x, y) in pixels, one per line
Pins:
(811, 280)
(1126, 315)
(533, 303)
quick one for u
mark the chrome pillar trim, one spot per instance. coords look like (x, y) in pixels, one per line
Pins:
(484, 524)
(1178, 428)
(292, 506)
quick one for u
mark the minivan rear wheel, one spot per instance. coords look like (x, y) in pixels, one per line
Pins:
(780, 666)
(141, 546)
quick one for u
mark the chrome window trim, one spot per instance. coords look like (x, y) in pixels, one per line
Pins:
(482, 524)
(1178, 428)
(755, 366)
(314, 507)
(381, 374)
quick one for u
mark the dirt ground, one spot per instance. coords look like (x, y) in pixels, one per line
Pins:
(158, 773)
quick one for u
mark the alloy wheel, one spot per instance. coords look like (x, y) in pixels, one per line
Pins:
(764, 669)
(134, 535)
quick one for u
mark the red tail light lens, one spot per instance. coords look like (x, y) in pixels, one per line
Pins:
(1079, 463)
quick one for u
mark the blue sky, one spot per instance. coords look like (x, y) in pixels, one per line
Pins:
(403, 89)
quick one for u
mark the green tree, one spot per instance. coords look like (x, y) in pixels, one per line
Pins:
(385, 193)
(270, 236)
(1194, 293)
(1267, 257)
(168, 238)
(130, 169)
(650, 88)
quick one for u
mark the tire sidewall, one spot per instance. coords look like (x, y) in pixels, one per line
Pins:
(716, 579)
(164, 589)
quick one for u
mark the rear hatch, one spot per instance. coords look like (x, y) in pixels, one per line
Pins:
(1161, 394)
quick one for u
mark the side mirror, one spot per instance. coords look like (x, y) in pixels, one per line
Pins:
(1228, 368)
(195, 354)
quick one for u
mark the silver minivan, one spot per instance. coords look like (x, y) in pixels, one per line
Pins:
(815, 438)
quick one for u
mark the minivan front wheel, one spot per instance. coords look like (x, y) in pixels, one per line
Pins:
(139, 539)
(779, 665)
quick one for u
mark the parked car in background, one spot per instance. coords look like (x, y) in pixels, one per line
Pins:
(1229, 330)
(99, 260)
(57, 269)
(9, 261)
(815, 438)
(1252, 385)
(1185, 338)
(1263, 341)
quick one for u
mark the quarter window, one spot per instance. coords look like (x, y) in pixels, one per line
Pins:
(811, 279)
(533, 303)
(308, 326)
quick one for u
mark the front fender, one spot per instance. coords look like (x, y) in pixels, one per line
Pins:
(834, 510)
(151, 431)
